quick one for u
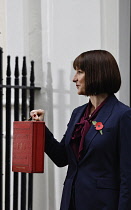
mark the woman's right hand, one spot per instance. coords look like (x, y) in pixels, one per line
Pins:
(37, 115)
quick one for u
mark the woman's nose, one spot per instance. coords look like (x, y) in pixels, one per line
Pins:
(74, 78)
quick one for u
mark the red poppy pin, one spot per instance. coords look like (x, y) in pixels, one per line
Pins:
(98, 126)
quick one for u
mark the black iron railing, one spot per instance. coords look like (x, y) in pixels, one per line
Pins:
(28, 97)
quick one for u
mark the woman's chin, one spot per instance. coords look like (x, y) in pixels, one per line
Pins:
(80, 93)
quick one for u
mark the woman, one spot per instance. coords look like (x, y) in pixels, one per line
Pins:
(97, 144)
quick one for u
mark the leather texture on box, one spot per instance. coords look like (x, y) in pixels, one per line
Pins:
(28, 146)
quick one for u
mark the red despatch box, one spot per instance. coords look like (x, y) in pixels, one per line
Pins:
(28, 146)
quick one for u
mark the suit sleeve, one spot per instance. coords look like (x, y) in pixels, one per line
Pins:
(125, 162)
(57, 150)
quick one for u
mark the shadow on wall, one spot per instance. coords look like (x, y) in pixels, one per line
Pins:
(61, 96)
(59, 104)
(49, 118)
(60, 101)
(49, 97)
(74, 98)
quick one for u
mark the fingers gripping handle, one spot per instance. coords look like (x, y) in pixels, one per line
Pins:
(37, 115)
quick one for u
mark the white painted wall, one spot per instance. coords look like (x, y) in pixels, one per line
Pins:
(3, 29)
(124, 49)
(53, 33)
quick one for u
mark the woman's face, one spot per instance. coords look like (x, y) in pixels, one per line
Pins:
(79, 79)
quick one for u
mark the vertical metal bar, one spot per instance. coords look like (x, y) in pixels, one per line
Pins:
(16, 118)
(16, 102)
(1, 129)
(130, 53)
(24, 116)
(8, 137)
(32, 79)
(30, 183)
(24, 91)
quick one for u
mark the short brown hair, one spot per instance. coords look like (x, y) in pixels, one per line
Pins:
(102, 73)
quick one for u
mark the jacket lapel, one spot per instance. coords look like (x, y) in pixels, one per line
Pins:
(102, 116)
(75, 120)
(71, 129)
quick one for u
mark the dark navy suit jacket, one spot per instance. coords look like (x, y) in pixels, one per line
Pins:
(103, 176)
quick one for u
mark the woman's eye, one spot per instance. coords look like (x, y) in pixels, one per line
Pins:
(79, 72)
